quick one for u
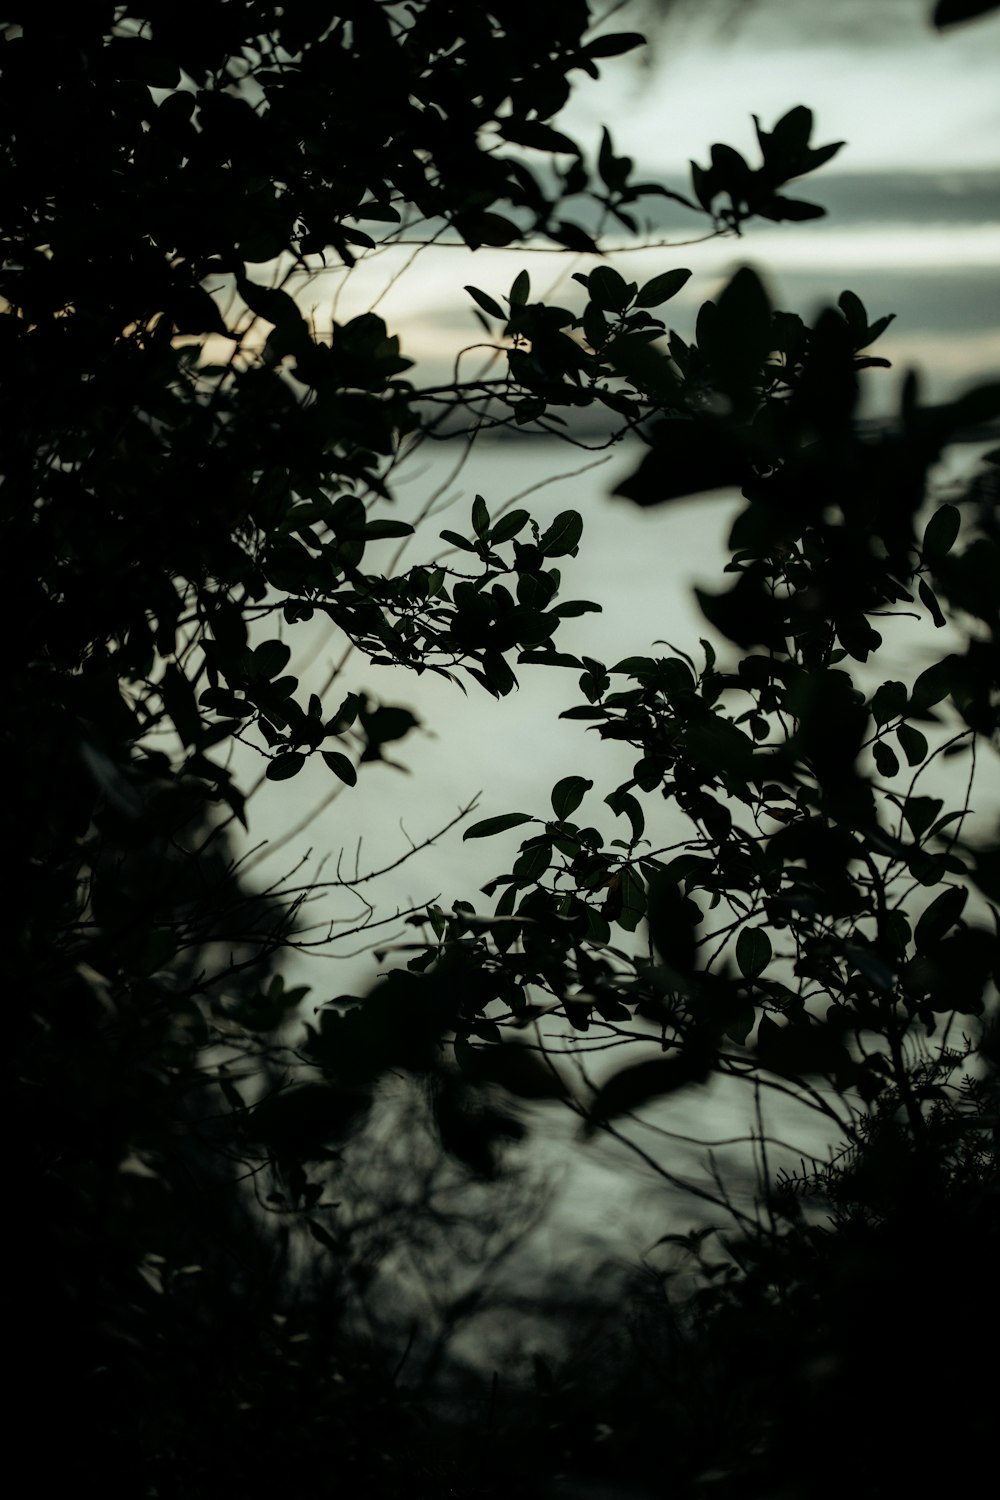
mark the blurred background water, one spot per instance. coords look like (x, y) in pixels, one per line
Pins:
(913, 228)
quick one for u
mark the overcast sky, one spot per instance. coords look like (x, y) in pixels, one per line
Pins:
(874, 71)
(913, 198)
(922, 242)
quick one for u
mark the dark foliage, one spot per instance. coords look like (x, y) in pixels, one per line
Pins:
(190, 471)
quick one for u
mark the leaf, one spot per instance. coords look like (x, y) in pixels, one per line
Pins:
(889, 702)
(941, 533)
(270, 658)
(485, 302)
(549, 659)
(563, 535)
(690, 454)
(794, 128)
(520, 289)
(574, 238)
(387, 723)
(276, 307)
(180, 703)
(480, 517)
(795, 1050)
(538, 136)
(284, 767)
(500, 680)
(567, 795)
(672, 919)
(135, 58)
(532, 864)
(661, 288)
(951, 12)
(379, 530)
(928, 869)
(853, 309)
(486, 229)
(323, 1237)
(874, 969)
(885, 759)
(920, 813)
(381, 213)
(631, 1087)
(942, 914)
(574, 607)
(608, 289)
(613, 170)
(345, 715)
(879, 326)
(981, 404)
(511, 1065)
(615, 44)
(490, 826)
(792, 210)
(457, 541)
(753, 952)
(195, 311)
(934, 683)
(912, 743)
(742, 335)
(509, 525)
(341, 766)
(355, 236)
(718, 745)
(623, 802)
(633, 900)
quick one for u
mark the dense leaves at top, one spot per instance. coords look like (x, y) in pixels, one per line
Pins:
(157, 505)
(209, 135)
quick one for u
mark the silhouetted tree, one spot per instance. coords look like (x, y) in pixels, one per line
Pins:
(179, 492)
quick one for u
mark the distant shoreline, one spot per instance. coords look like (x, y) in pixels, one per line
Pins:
(581, 427)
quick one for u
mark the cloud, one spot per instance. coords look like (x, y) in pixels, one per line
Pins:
(876, 74)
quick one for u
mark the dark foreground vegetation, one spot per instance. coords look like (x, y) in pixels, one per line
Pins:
(246, 1239)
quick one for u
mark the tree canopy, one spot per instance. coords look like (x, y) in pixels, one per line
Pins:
(191, 469)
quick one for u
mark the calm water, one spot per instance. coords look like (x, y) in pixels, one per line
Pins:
(641, 566)
(921, 244)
